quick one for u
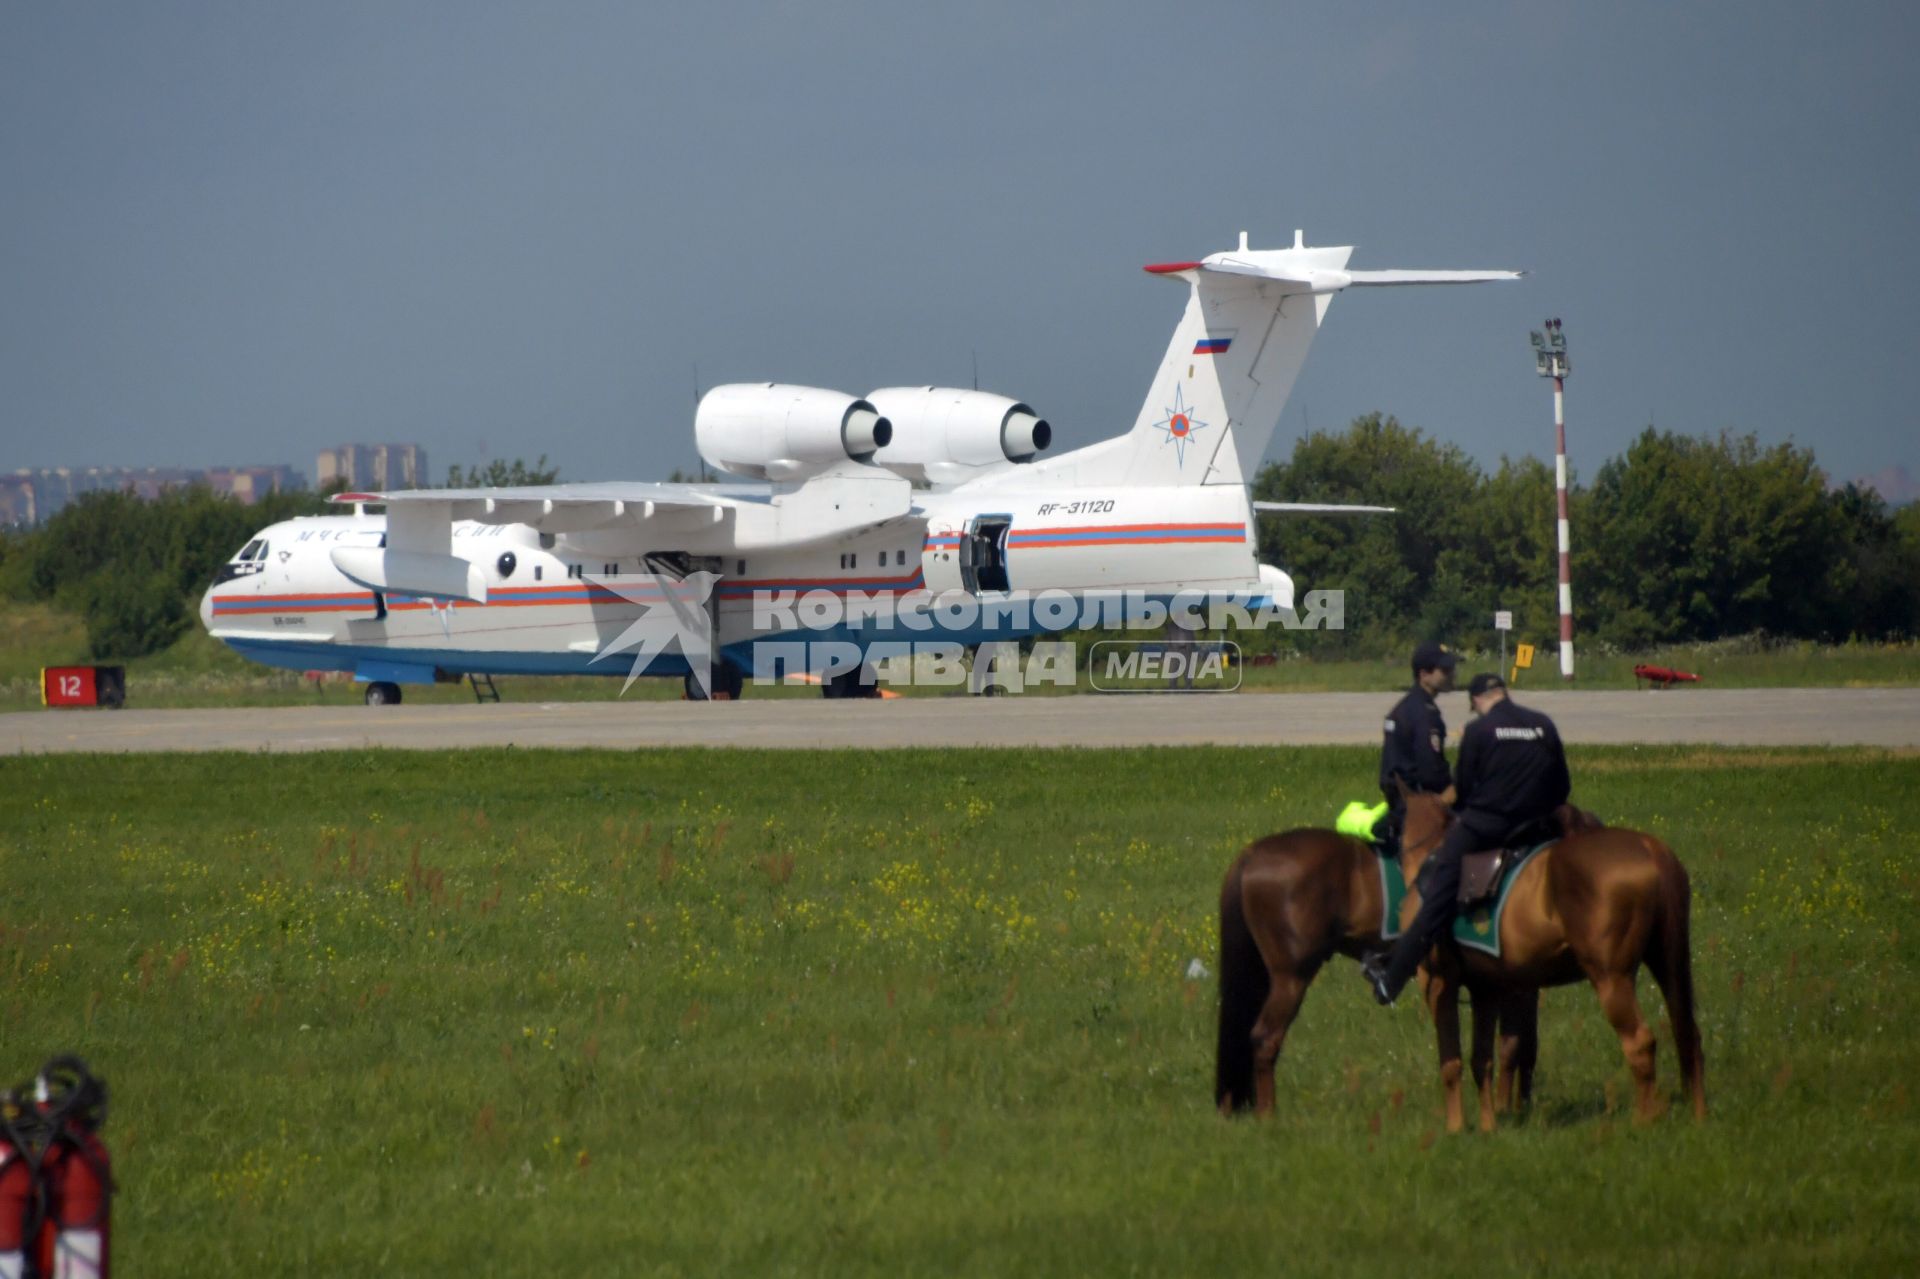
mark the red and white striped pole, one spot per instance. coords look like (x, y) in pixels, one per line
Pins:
(1550, 360)
(1566, 545)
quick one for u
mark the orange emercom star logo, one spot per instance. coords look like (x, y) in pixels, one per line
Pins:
(1180, 424)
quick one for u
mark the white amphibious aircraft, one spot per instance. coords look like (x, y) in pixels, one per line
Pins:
(910, 493)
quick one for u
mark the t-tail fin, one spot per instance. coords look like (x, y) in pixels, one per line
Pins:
(1250, 317)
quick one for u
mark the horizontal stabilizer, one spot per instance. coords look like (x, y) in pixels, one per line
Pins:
(1368, 279)
(1294, 277)
(1212, 406)
(1319, 508)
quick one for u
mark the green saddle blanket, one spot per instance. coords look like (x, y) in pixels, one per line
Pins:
(1477, 926)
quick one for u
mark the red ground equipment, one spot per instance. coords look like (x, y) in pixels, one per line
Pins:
(56, 1181)
(83, 686)
(1662, 677)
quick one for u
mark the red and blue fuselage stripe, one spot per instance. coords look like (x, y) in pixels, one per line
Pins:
(1127, 535)
(744, 588)
(576, 592)
(499, 597)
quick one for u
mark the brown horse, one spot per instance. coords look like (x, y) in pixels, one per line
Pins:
(1596, 905)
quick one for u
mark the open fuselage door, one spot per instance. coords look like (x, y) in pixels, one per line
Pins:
(983, 554)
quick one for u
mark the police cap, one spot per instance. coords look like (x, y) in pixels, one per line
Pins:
(1485, 682)
(1430, 657)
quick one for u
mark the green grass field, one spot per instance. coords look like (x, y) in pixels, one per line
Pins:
(514, 1012)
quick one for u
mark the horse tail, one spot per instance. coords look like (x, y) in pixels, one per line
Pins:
(1671, 959)
(1243, 992)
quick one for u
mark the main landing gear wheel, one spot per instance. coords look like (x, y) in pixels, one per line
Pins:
(381, 693)
(857, 683)
(728, 684)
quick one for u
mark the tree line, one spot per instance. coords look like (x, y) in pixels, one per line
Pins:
(134, 568)
(1681, 538)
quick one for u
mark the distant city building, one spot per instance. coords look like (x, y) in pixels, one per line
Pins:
(251, 483)
(373, 466)
(1895, 484)
(17, 500)
(33, 495)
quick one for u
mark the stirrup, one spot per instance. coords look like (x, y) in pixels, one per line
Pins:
(1374, 969)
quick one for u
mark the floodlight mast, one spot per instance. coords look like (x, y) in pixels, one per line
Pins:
(1550, 360)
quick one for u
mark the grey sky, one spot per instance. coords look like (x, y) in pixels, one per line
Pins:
(235, 233)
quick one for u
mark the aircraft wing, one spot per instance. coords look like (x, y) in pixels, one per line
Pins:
(417, 556)
(1319, 508)
(563, 508)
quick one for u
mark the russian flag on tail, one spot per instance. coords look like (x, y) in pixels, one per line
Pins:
(1212, 346)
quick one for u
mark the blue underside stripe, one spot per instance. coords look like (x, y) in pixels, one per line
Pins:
(307, 655)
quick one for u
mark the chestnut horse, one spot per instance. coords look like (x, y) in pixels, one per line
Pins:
(1594, 906)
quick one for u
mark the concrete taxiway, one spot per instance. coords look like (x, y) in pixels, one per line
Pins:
(1740, 717)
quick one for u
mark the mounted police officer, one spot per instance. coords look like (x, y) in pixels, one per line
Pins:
(1413, 749)
(1513, 774)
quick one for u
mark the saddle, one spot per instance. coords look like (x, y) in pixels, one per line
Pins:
(1480, 872)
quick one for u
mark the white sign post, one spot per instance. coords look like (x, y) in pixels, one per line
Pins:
(1503, 622)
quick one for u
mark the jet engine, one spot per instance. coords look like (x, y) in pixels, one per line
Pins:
(940, 432)
(770, 431)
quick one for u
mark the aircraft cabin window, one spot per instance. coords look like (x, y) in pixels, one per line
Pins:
(536, 572)
(853, 561)
(740, 568)
(608, 570)
(573, 570)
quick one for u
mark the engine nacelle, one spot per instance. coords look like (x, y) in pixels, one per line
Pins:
(940, 431)
(771, 431)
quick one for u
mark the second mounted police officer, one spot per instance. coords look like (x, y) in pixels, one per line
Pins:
(1413, 747)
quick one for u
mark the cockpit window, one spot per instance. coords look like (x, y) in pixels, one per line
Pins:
(249, 560)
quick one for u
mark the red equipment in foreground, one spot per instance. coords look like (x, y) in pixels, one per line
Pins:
(1662, 677)
(56, 1180)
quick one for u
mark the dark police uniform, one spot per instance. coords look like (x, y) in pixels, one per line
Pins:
(1513, 772)
(1413, 748)
(1414, 740)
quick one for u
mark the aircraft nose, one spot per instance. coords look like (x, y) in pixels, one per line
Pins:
(206, 609)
